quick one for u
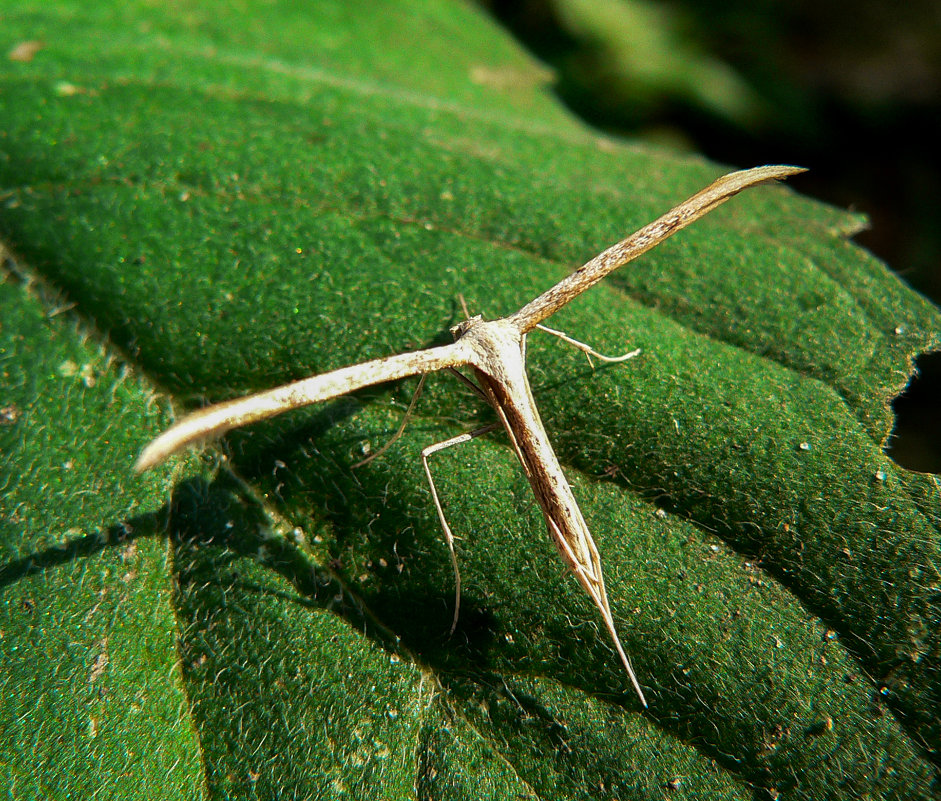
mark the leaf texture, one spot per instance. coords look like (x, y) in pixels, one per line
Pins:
(203, 203)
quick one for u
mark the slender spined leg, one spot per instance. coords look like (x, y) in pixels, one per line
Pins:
(448, 535)
(588, 349)
(590, 577)
(401, 430)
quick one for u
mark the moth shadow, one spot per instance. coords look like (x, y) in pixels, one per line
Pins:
(205, 522)
(397, 574)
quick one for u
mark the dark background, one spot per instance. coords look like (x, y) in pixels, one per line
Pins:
(850, 90)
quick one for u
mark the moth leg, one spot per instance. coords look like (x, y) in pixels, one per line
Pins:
(440, 446)
(594, 584)
(469, 383)
(588, 349)
(401, 430)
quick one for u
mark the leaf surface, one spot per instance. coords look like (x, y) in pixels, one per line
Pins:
(224, 202)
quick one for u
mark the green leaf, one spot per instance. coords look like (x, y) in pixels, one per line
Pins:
(210, 203)
(92, 694)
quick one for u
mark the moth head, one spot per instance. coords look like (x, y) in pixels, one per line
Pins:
(457, 331)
